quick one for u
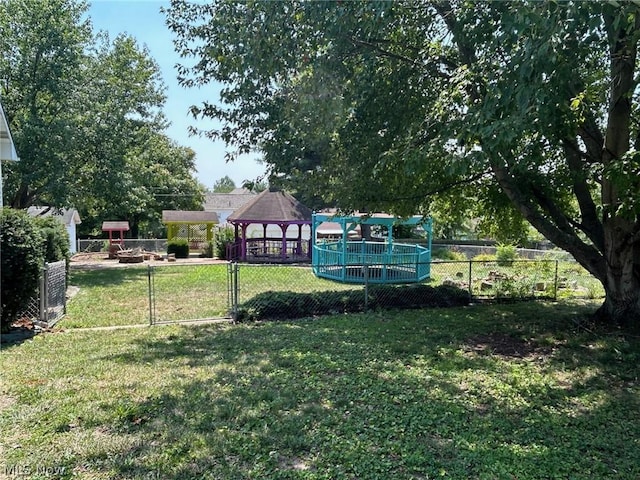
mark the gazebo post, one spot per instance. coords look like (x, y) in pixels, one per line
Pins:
(264, 238)
(243, 251)
(283, 248)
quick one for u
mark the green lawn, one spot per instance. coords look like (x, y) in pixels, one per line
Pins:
(121, 296)
(482, 392)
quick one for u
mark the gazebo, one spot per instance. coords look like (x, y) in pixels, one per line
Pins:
(282, 236)
(195, 226)
(347, 260)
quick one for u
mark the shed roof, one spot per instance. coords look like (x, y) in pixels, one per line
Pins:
(66, 215)
(189, 216)
(115, 226)
(272, 206)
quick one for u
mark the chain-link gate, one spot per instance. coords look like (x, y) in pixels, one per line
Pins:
(49, 305)
(176, 292)
(53, 297)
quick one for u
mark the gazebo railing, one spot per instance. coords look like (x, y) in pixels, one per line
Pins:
(268, 249)
(371, 262)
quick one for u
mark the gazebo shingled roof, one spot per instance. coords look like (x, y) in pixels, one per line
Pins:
(272, 206)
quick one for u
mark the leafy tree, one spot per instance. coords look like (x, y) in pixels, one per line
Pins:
(86, 117)
(224, 185)
(385, 105)
(256, 186)
(41, 68)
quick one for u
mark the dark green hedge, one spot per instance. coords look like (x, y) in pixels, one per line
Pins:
(56, 239)
(22, 247)
(178, 246)
(26, 243)
(288, 305)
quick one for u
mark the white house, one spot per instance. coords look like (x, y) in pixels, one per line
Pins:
(224, 204)
(68, 216)
(7, 149)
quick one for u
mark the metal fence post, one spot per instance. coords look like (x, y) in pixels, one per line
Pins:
(470, 287)
(235, 291)
(232, 289)
(149, 278)
(365, 274)
(555, 284)
(44, 294)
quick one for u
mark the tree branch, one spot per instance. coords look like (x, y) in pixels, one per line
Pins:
(591, 224)
(396, 56)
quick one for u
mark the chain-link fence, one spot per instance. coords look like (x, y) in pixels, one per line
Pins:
(49, 304)
(102, 245)
(257, 291)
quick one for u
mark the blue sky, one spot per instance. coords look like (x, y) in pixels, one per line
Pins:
(143, 20)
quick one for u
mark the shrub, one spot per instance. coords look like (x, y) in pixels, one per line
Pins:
(484, 257)
(207, 251)
(449, 254)
(179, 247)
(22, 247)
(289, 305)
(224, 236)
(56, 239)
(506, 254)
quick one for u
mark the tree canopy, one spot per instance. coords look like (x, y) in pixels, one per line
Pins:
(521, 110)
(224, 185)
(86, 116)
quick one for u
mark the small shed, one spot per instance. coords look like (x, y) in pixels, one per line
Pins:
(115, 227)
(195, 226)
(69, 217)
(288, 239)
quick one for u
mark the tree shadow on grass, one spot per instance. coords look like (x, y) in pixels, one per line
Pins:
(391, 396)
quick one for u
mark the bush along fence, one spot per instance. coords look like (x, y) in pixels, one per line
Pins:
(49, 305)
(257, 292)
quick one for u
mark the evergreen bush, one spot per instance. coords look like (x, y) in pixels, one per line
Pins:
(179, 247)
(22, 244)
(56, 246)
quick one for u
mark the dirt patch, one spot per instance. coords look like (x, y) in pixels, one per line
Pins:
(99, 260)
(506, 346)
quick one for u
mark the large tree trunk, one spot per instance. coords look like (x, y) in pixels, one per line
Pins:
(621, 238)
(622, 279)
(622, 289)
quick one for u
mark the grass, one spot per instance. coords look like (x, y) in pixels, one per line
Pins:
(121, 296)
(482, 392)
